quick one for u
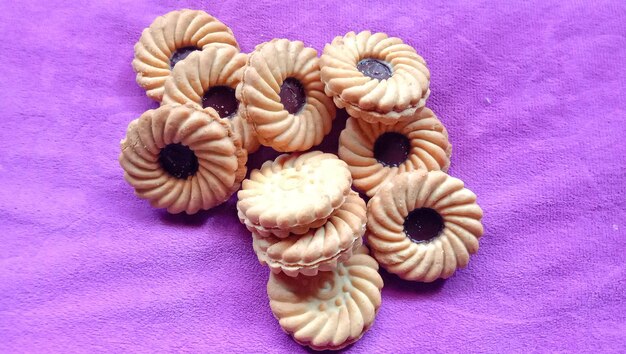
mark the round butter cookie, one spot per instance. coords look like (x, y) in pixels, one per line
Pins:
(182, 159)
(294, 190)
(376, 152)
(375, 77)
(331, 310)
(283, 98)
(208, 78)
(169, 39)
(276, 232)
(319, 249)
(423, 225)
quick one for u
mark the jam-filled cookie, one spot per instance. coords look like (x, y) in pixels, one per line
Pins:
(331, 310)
(182, 159)
(209, 78)
(375, 77)
(283, 98)
(423, 225)
(376, 152)
(170, 39)
(294, 190)
(319, 249)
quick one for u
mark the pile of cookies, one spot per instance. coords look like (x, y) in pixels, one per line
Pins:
(307, 224)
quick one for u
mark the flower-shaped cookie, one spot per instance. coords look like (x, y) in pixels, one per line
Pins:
(294, 190)
(283, 98)
(375, 77)
(208, 78)
(423, 225)
(376, 152)
(182, 159)
(319, 249)
(169, 39)
(332, 309)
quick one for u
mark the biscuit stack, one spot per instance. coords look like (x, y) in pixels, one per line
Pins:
(302, 214)
(307, 225)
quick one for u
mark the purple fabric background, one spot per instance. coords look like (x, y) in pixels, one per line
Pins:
(534, 98)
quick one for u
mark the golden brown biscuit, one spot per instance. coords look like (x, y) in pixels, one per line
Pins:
(332, 309)
(283, 98)
(182, 159)
(208, 78)
(319, 249)
(169, 39)
(375, 77)
(294, 190)
(376, 152)
(276, 232)
(423, 225)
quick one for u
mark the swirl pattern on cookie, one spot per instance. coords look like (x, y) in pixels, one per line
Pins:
(294, 189)
(208, 78)
(182, 159)
(423, 225)
(375, 77)
(283, 98)
(169, 39)
(376, 152)
(319, 249)
(332, 309)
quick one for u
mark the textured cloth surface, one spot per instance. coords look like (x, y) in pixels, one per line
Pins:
(533, 95)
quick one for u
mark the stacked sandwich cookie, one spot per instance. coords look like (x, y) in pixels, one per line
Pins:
(307, 227)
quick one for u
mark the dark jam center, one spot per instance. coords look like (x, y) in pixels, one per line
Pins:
(391, 149)
(423, 224)
(374, 68)
(292, 95)
(222, 99)
(178, 160)
(181, 54)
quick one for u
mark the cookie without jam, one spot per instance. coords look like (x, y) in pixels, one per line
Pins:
(209, 79)
(283, 98)
(294, 189)
(169, 40)
(276, 232)
(331, 310)
(319, 249)
(376, 152)
(181, 158)
(375, 77)
(423, 225)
